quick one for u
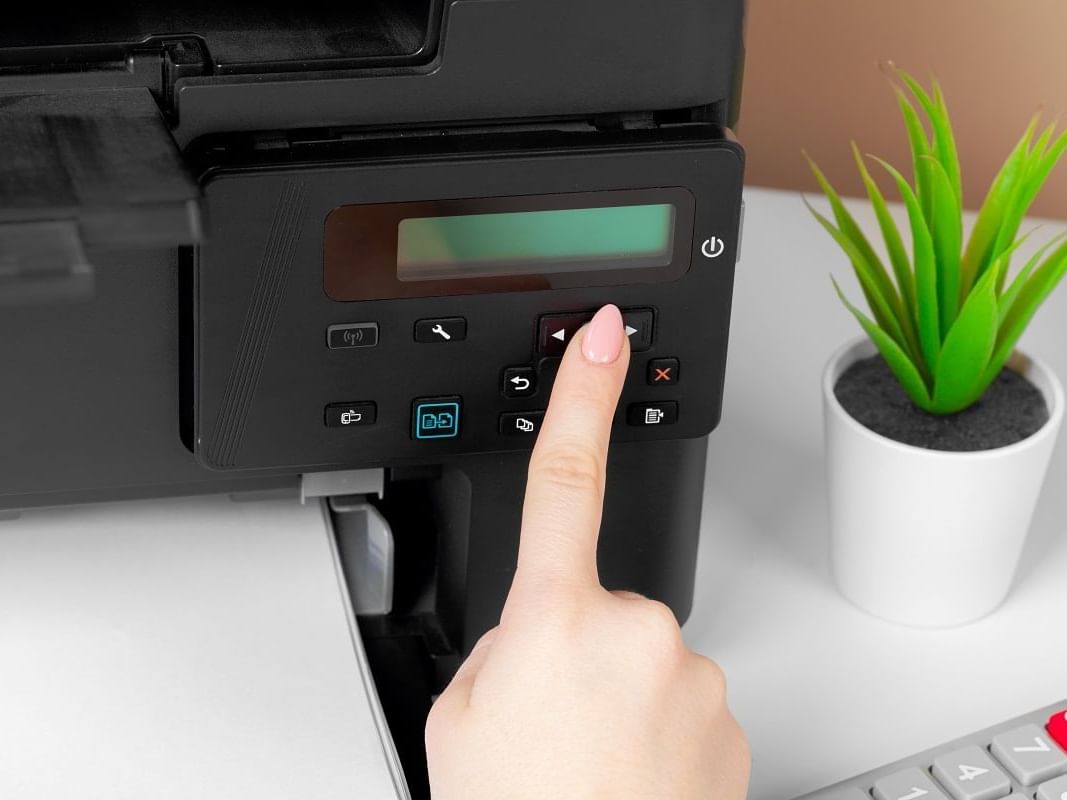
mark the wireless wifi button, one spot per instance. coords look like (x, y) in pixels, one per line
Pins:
(359, 334)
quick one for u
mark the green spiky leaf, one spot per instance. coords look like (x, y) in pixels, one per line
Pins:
(920, 153)
(968, 346)
(979, 252)
(1008, 298)
(1037, 288)
(872, 264)
(946, 227)
(925, 261)
(898, 256)
(945, 144)
(899, 363)
(880, 305)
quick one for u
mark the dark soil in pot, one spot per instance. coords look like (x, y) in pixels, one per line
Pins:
(1010, 411)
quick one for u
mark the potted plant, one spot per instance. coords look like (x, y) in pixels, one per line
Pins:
(938, 431)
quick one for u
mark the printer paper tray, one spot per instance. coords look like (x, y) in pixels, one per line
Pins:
(183, 648)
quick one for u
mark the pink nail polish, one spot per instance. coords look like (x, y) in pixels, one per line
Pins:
(604, 336)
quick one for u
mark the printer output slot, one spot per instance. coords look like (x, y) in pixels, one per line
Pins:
(264, 37)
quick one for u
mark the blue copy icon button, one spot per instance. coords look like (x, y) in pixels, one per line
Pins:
(436, 419)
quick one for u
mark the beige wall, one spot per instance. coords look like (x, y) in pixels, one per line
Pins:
(812, 82)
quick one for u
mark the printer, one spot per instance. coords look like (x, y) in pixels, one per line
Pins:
(336, 251)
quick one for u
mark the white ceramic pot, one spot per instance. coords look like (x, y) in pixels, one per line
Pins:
(923, 537)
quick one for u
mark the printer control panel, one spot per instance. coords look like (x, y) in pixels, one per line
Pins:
(524, 388)
(406, 310)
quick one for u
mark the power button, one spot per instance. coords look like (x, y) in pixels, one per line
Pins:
(713, 247)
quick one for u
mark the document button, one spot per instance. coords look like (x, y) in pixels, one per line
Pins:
(652, 415)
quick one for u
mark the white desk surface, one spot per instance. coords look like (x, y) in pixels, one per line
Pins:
(823, 690)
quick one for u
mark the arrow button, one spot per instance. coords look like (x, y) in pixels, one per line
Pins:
(639, 327)
(520, 382)
(556, 330)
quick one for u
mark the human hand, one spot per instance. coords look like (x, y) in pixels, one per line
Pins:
(581, 692)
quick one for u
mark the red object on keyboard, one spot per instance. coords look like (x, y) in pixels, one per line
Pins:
(1057, 728)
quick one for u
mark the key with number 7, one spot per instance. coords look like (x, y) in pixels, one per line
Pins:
(1029, 755)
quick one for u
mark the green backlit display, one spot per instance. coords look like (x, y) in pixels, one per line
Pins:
(524, 242)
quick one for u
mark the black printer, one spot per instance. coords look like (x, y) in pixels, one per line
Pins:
(256, 251)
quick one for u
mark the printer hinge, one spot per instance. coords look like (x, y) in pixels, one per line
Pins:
(181, 58)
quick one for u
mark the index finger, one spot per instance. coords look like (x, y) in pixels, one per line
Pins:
(565, 487)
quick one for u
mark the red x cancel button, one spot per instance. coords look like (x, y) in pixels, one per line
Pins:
(663, 371)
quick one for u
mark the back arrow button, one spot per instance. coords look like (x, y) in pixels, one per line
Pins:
(520, 382)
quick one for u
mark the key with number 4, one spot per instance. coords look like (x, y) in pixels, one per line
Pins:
(970, 774)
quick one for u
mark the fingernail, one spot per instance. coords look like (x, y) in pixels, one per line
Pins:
(604, 336)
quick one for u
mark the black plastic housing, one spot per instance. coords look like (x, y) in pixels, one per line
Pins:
(154, 342)
(261, 314)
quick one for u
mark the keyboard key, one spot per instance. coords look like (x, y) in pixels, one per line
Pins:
(1029, 755)
(847, 793)
(911, 784)
(970, 774)
(1053, 790)
(1057, 728)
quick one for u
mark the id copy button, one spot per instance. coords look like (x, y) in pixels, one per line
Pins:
(436, 418)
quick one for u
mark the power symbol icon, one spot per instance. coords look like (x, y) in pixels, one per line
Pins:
(713, 247)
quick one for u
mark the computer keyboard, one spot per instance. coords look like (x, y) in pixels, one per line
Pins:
(1023, 759)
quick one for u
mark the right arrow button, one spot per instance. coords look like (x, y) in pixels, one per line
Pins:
(639, 327)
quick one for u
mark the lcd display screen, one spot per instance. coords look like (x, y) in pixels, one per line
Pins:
(507, 243)
(547, 241)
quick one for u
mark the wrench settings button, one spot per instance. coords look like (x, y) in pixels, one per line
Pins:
(436, 331)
